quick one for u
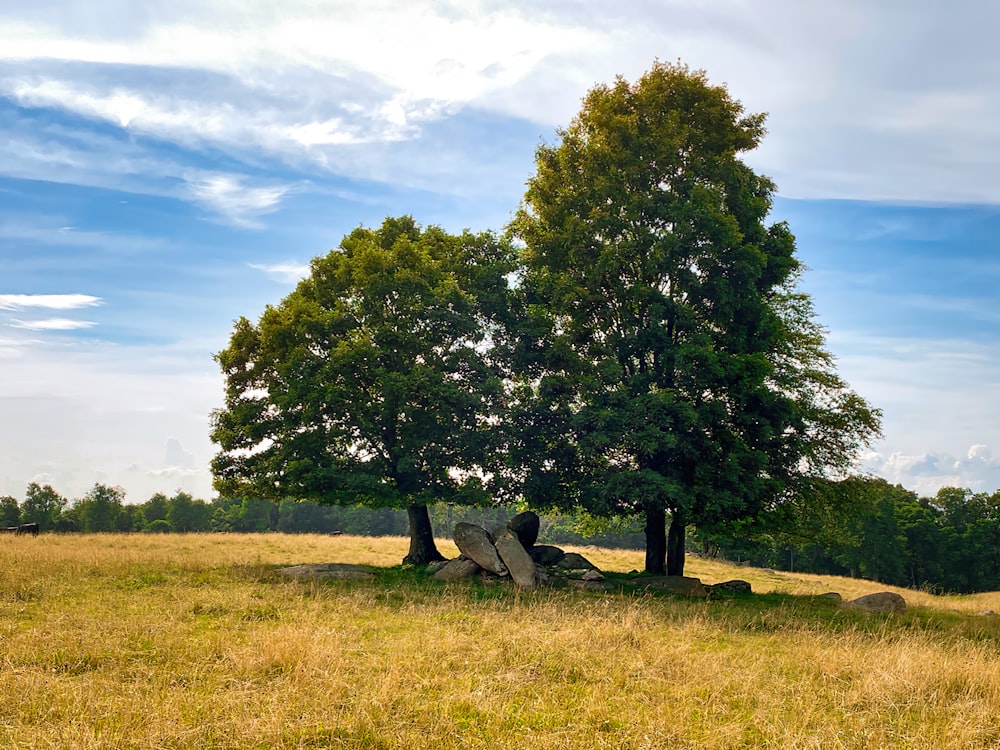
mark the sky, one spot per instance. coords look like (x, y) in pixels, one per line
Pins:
(169, 166)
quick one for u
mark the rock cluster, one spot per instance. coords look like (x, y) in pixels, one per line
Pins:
(511, 552)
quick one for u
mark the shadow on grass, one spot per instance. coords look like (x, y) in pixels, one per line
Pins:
(401, 586)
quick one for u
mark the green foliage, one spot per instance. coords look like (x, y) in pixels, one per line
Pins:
(866, 527)
(184, 513)
(42, 505)
(99, 510)
(374, 381)
(10, 512)
(667, 365)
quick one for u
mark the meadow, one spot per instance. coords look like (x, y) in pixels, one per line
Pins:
(195, 641)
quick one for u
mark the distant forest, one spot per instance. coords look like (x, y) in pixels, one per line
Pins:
(873, 530)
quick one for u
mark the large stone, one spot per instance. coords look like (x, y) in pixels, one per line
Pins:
(735, 586)
(458, 570)
(680, 585)
(517, 560)
(473, 542)
(574, 561)
(883, 601)
(543, 554)
(525, 527)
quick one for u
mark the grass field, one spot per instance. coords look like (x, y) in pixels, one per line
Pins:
(195, 642)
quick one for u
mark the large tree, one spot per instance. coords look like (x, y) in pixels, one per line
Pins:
(669, 366)
(42, 505)
(373, 382)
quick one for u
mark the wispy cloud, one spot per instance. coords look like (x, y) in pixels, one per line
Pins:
(240, 204)
(48, 301)
(52, 324)
(288, 273)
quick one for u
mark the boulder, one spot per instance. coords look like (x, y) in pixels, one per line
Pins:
(458, 570)
(435, 565)
(574, 561)
(518, 561)
(680, 585)
(735, 586)
(525, 527)
(543, 554)
(883, 601)
(476, 544)
(542, 575)
(832, 596)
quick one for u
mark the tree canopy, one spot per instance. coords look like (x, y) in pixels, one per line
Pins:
(668, 365)
(374, 381)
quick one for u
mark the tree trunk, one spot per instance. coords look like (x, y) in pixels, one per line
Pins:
(675, 545)
(656, 541)
(422, 547)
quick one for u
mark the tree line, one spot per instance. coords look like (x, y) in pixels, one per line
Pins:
(105, 509)
(862, 527)
(865, 527)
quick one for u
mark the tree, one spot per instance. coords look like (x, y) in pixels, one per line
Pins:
(42, 505)
(374, 381)
(155, 509)
(98, 510)
(185, 514)
(10, 513)
(668, 366)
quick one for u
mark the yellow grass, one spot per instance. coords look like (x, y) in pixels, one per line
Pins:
(194, 642)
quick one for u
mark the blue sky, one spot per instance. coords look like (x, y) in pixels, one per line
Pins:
(168, 166)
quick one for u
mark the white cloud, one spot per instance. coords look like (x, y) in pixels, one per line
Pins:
(49, 301)
(175, 457)
(926, 473)
(288, 273)
(52, 324)
(227, 195)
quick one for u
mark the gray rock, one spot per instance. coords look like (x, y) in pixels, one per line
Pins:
(735, 586)
(987, 613)
(680, 585)
(458, 569)
(586, 585)
(542, 575)
(592, 575)
(525, 527)
(328, 570)
(883, 601)
(574, 561)
(473, 542)
(435, 565)
(543, 554)
(518, 561)
(832, 595)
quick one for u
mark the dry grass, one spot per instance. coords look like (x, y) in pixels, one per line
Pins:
(194, 642)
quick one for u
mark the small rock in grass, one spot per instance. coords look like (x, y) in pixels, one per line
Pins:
(883, 601)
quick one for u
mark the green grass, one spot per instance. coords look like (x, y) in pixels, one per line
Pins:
(197, 642)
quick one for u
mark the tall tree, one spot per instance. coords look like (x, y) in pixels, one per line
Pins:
(10, 512)
(373, 382)
(669, 366)
(98, 510)
(42, 505)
